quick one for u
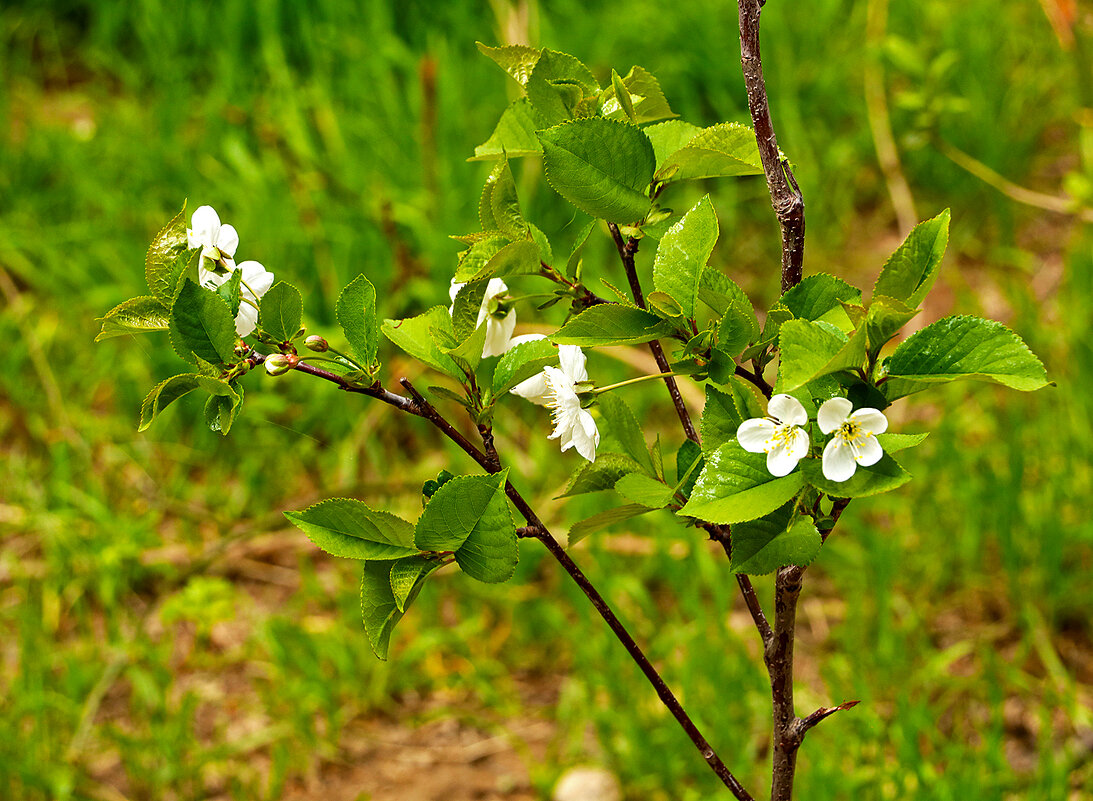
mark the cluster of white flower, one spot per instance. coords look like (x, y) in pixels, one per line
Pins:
(218, 244)
(785, 443)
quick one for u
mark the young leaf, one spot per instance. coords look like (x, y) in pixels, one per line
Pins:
(348, 528)
(669, 137)
(465, 308)
(883, 320)
(281, 310)
(521, 362)
(721, 293)
(721, 151)
(764, 545)
(643, 490)
(601, 474)
(414, 336)
(498, 257)
(622, 99)
(498, 206)
(602, 520)
(517, 60)
(230, 292)
(612, 324)
(601, 166)
(736, 486)
(725, 411)
(820, 298)
(811, 350)
(135, 316)
(379, 609)
(557, 83)
(408, 574)
(490, 552)
(883, 476)
(459, 507)
(167, 258)
(356, 312)
(912, 269)
(204, 324)
(219, 413)
(514, 135)
(894, 443)
(651, 104)
(682, 255)
(967, 348)
(167, 392)
(623, 426)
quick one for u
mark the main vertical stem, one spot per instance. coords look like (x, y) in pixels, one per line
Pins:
(779, 660)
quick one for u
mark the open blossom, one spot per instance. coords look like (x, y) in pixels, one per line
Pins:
(573, 425)
(571, 359)
(778, 435)
(498, 330)
(256, 282)
(218, 242)
(855, 441)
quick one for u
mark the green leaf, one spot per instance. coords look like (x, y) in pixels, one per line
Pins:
(356, 311)
(894, 443)
(414, 336)
(612, 324)
(497, 257)
(735, 486)
(811, 350)
(490, 552)
(602, 520)
(725, 411)
(521, 362)
(204, 324)
(721, 293)
(459, 507)
(498, 206)
(378, 606)
(167, 257)
(820, 298)
(465, 308)
(281, 310)
(407, 576)
(623, 426)
(348, 528)
(167, 392)
(556, 85)
(883, 320)
(221, 410)
(912, 269)
(602, 167)
(689, 463)
(622, 100)
(644, 96)
(682, 255)
(721, 151)
(883, 476)
(764, 545)
(670, 137)
(230, 292)
(734, 333)
(601, 474)
(514, 135)
(517, 60)
(135, 316)
(967, 348)
(644, 490)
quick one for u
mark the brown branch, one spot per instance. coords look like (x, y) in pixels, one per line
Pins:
(806, 723)
(627, 248)
(784, 193)
(779, 660)
(756, 609)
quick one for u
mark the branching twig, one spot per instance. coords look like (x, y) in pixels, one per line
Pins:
(806, 723)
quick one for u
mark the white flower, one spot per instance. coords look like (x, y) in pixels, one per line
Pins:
(573, 425)
(256, 282)
(571, 360)
(778, 435)
(498, 330)
(855, 441)
(218, 242)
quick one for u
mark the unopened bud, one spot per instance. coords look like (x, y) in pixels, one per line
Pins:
(316, 343)
(280, 363)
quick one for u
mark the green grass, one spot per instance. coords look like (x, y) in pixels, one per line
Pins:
(150, 593)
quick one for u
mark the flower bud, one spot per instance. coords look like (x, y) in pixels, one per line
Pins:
(280, 363)
(316, 343)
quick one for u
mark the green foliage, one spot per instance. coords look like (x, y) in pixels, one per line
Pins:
(644, 490)
(379, 609)
(414, 335)
(605, 519)
(820, 298)
(777, 539)
(625, 429)
(912, 269)
(725, 150)
(812, 350)
(682, 255)
(603, 167)
(521, 362)
(357, 315)
(498, 207)
(168, 391)
(514, 135)
(602, 474)
(203, 324)
(612, 324)
(736, 486)
(137, 315)
(885, 475)
(725, 411)
(280, 311)
(167, 258)
(462, 505)
(348, 528)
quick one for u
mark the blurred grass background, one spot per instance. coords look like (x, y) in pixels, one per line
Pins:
(164, 635)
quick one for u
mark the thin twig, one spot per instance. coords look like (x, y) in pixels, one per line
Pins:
(627, 248)
(824, 712)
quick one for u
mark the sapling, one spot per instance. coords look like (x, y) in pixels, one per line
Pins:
(793, 427)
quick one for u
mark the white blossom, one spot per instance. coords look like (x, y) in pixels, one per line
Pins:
(218, 242)
(573, 425)
(778, 435)
(571, 359)
(855, 441)
(256, 282)
(498, 330)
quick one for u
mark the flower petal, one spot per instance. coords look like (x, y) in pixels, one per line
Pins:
(585, 436)
(797, 443)
(205, 225)
(754, 434)
(533, 389)
(257, 278)
(494, 288)
(453, 290)
(869, 451)
(833, 414)
(787, 409)
(838, 460)
(210, 279)
(871, 420)
(572, 360)
(498, 334)
(246, 320)
(227, 241)
(781, 460)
